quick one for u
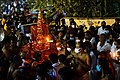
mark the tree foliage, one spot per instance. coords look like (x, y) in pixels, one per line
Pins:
(78, 8)
(84, 8)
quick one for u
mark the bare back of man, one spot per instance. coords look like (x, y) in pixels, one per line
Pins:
(83, 66)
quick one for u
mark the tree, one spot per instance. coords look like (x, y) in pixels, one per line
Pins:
(77, 8)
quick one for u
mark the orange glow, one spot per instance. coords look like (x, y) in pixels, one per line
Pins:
(47, 39)
(114, 55)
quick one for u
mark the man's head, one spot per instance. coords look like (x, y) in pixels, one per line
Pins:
(10, 43)
(102, 37)
(117, 20)
(53, 58)
(103, 24)
(88, 35)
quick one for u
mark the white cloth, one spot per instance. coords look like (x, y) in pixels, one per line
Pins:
(21, 28)
(93, 40)
(14, 4)
(77, 50)
(54, 73)
(69, 49)
(101, 31)
(105, 47)
(113, 48)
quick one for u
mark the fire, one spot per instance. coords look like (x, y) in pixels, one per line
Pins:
(47, 39)
(114, 55)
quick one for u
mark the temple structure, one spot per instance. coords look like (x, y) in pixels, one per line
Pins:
(41, 41)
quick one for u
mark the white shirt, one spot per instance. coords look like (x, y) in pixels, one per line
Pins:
(101, 30)
(105, 47)
(93, 40)
(54, 73)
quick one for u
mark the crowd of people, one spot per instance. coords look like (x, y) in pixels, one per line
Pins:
(92, 54)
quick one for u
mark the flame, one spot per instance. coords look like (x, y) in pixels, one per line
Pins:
(47, 39)
(114, 55)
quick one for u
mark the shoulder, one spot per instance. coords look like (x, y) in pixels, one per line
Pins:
(86, 55)
(98, 44)
(99, 28)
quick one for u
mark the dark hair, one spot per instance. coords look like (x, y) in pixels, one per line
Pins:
(102, 53)
(87, 43)
(103, 34)
(117, 19)
(71, 43)
(62, 58)
(47, 65)
(53, 58)
(92, 28)
(103, 22)
(82, 45)
(89, 32)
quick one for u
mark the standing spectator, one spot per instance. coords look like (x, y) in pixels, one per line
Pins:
(61, 61)
(102, 29)
(115, 56)
(54, 60)
(116, 27)
(65, 71)
(104, 69)
(103, 45)
(89, 37)
(93, 60)
(63, 26)
(82, 64)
